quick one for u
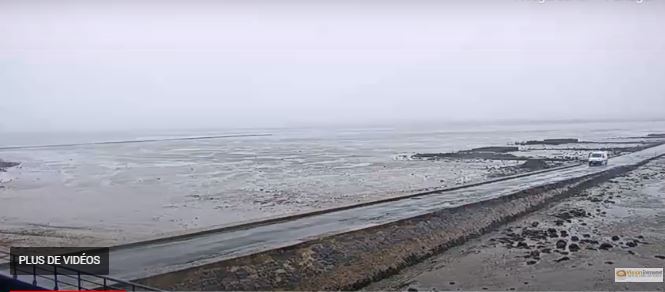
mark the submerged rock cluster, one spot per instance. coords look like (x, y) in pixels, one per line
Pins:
(7, 164)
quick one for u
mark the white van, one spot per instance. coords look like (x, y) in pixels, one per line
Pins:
(598, 158)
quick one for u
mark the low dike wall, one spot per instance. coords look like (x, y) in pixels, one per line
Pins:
(351, 260)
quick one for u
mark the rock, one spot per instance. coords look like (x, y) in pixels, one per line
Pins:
(589, 241)
(535, 224)
(495, 149)
(564, 233)
(7, 164)
(656, 135)
(557, 141)
(451, 283)
(534, 234)
(631, 244)
(605, 246)
(531, 262)
(534, 164)
(561, 244)
(574, 238)
(468, 154)
(573, 247)
(573, 213)
(546, 250)
(412, 289)
(522, 244)
(615, 238)
(586, 235)
(533, 254)
(562, 259)
(659, 257)
(609, 262)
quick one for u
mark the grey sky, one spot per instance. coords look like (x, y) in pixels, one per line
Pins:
(88, 65)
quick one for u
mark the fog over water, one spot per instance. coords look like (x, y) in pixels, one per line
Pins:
(348, 93)
(99, 65)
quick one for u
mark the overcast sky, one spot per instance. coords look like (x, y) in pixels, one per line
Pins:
(100, 65)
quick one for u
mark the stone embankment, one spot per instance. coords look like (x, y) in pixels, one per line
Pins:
(354, 259)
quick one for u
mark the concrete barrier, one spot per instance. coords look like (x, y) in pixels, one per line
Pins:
(354, 259)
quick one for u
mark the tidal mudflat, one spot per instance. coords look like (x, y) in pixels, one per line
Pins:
(107, 194)
(574, 244)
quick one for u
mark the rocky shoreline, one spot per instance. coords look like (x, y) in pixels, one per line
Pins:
(557, 141)
(529, 165)
(352, 260)
(574, 244)
(520, 152)
(489, 153)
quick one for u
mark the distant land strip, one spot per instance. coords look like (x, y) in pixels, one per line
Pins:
(135, 141)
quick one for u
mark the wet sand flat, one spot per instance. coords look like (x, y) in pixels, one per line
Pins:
(574, 244)
(108, 194)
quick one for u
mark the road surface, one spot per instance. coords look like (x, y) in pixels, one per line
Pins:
(138, 261)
